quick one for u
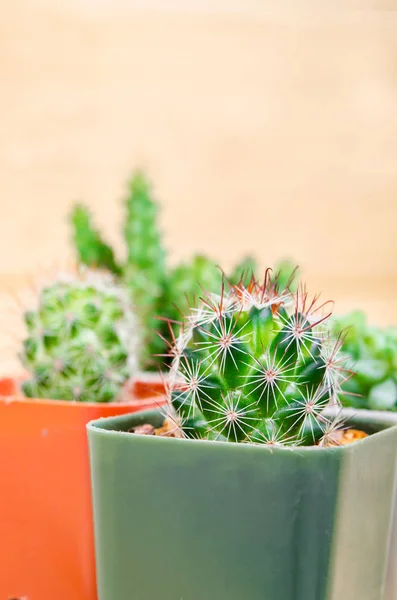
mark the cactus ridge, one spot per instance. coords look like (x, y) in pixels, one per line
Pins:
(256, 363)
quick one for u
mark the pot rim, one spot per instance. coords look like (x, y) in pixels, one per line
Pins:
(141, 402)
(382, 422)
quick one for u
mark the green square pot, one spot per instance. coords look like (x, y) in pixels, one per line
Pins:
(193, 520)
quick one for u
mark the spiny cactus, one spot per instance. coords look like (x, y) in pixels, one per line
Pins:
(257, 364)
(372, 353)
(81, 343)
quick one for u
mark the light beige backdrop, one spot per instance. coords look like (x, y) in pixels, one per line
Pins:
(268, 127)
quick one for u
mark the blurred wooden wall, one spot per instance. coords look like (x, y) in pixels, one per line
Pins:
(268, 127)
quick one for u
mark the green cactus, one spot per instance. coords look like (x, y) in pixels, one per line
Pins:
(144, 273)
(372, 353)
(256, 363)
(92, 250)
(81, 341)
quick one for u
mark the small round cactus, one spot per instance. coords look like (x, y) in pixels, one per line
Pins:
(257, 364)
(81, 342)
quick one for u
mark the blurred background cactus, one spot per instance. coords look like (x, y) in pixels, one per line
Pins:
(372, 353)
(257, 363)
(144, 272)
(157, 292)
(81, 340)
(92, 249)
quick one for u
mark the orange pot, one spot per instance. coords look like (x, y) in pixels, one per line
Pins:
(46, 535)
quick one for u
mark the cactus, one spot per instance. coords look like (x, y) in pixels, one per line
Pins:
(144, 272)
(93, 251)
(256, 363)
(81, 341)
(372, 353)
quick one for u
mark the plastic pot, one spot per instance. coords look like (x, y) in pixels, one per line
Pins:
(46, 534)
(391, 577)
(192, 520)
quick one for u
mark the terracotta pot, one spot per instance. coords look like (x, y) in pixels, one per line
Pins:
(46, 533)
(147, 385)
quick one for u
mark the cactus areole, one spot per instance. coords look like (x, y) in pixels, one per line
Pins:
(257, 364)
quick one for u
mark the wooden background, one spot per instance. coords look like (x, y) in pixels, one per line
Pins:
(268, 127)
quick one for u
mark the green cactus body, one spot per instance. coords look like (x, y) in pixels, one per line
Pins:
(144, 272)
(91, 248)
(256, 364)
(81, 342)
(372, 353)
